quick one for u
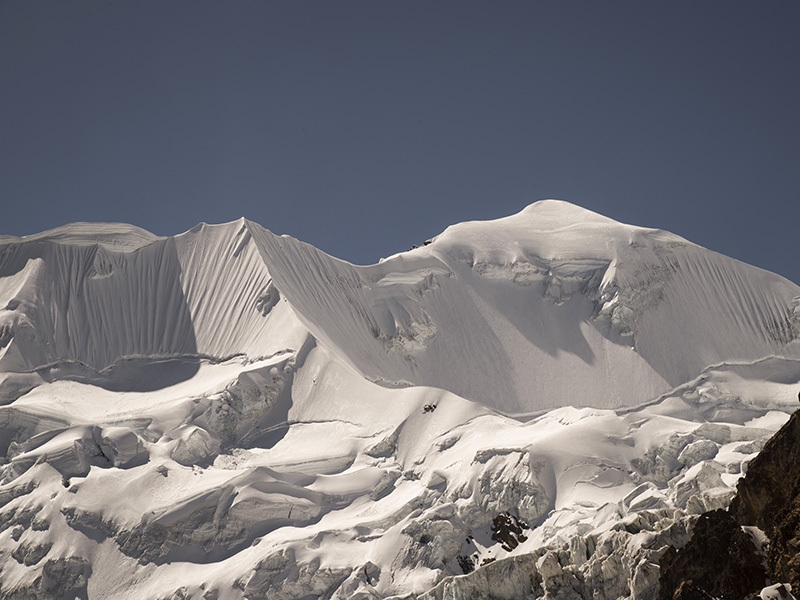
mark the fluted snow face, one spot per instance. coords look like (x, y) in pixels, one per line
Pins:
(88, 304)
(85, 299)
(541, 401)
(553, 306)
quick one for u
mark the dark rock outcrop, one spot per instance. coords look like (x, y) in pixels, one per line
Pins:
(720, 561)
(772, 481)
(508, 530)
(769, 498)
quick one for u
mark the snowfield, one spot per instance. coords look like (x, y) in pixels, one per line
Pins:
(529, 407)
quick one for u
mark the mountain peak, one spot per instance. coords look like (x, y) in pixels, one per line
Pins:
(279, 412)
(550, 229)
(551, 290)
(561, 211)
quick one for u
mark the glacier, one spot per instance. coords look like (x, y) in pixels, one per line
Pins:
(531, 407)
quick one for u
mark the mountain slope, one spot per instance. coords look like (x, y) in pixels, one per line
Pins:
(519, 408)
(549, 302)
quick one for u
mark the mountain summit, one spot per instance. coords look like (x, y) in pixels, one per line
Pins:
(520, 406)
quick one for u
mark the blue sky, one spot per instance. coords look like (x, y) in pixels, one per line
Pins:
(366, 127)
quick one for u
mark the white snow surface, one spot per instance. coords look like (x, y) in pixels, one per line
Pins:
(228, 413)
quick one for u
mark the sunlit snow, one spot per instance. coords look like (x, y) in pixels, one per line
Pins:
(517, 406)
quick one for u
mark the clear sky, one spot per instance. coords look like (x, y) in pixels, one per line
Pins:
(364, 127)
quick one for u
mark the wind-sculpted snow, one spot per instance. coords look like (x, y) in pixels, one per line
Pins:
(201, 294)
(534, 407)
(85, 304)
(557, 304)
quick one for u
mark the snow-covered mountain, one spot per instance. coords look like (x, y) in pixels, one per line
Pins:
(526, 407)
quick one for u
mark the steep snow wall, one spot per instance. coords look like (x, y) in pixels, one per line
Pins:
(235, 307)
(555, 305)
(92, 299)
(85, 303)
(283, 470)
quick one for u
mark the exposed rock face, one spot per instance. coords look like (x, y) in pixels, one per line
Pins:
(720, 560)
(508, 530)
(784, 548)
(769, 498)
(771, 483)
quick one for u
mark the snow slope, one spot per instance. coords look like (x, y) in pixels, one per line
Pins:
(556, 303)
(550, 302)
(229, 413)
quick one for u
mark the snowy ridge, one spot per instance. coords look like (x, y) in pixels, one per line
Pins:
(229, 293)
(554, 290)
(119, 237)
(536, 298)
(233, 414)
(206, 293)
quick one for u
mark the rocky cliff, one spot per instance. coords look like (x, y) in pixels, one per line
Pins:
(734, 554)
